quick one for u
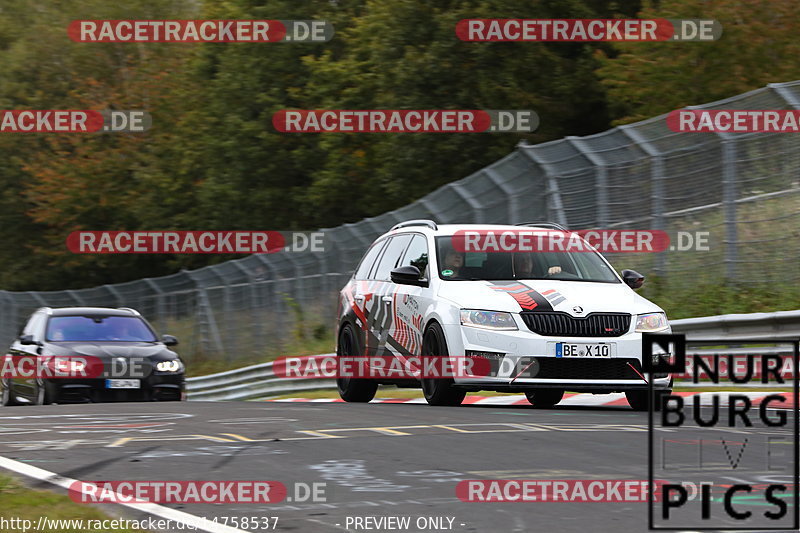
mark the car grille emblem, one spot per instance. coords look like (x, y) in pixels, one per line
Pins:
(578, 309)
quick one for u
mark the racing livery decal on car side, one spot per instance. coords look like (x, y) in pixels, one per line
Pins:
(408, 323)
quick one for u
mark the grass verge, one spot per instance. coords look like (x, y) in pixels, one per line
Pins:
(18, 501)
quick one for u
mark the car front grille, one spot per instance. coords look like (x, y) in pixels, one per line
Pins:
(583, 368)
(563, 324)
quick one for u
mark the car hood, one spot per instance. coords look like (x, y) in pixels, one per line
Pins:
(545, 295)
(107, 350)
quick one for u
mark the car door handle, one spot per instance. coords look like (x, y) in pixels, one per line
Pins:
(359, 298)
(387, 299)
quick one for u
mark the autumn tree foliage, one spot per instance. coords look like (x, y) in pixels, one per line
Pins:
(212, 159)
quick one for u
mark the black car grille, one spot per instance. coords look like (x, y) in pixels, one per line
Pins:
(592, 325)
(583, 368)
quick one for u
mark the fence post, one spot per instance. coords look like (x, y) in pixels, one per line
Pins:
(554, 203)
(160, 314)
(658, 203)
(657, 193)
(729, 203)
(513, 200)
(601, 179)
(207, 323)
(475, 206)
(10, 320)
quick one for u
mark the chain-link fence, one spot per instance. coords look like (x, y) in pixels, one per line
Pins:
(741, 188)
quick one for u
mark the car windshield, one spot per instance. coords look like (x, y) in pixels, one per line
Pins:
(98, 328)
(567, 266)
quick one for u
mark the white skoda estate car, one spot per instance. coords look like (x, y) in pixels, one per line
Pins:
(546, 321)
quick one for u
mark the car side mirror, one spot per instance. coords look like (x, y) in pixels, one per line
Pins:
(632, 279)
(169, 340)
(28, 340)
(408, 275)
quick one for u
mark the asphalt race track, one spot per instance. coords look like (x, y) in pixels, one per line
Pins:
(375, 460)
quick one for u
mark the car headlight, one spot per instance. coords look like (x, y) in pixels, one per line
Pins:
(169, 366)
(651, 322)
(487, 319)
(67, 365)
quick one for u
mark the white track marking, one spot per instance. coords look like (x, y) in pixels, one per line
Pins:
(591, 400)
(499, 400)
(575, 400)
(150, 508)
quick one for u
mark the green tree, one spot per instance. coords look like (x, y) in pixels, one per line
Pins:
(404, 54)
(53, 184)
(759, 45)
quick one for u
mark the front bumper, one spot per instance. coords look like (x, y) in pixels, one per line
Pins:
(164, 387)
(514, 350)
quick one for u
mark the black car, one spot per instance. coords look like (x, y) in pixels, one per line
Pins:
(90, 354)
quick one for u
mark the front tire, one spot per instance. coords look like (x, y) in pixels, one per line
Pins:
(43, 395)
(8, 398)
(544, 398)
(439, 391)
(356, 390)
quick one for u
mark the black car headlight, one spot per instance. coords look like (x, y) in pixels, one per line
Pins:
(496, 320)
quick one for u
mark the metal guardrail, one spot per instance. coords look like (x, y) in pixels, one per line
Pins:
(250, 382)
(260, 381)
(781, 325)
(769, 327)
